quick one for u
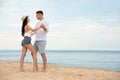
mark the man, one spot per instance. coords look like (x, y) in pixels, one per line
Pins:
(41, 37)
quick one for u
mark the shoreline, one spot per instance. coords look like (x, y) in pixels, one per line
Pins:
(9, 71)
(65, 66)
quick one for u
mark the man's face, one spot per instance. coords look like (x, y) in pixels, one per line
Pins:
(38, 16)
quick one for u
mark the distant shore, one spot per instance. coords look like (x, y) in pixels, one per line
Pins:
(10, 71)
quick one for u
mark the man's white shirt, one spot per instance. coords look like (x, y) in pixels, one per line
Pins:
(41, 35)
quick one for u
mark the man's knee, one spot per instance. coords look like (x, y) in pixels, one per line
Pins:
(43, 54)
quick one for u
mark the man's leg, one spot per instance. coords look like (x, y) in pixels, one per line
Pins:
(42, 46)
(44, 58)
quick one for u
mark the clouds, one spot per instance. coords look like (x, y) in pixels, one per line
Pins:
(82, 24)
(85, 8)
(85, 34)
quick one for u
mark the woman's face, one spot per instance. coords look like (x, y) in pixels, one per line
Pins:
(28, 20)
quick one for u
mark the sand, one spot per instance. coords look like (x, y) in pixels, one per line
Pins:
(10, 71)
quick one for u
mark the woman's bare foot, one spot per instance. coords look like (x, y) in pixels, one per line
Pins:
(44, 70)
(21, 70)
(35, 70)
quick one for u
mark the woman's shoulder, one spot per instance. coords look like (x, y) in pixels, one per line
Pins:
(27, 26)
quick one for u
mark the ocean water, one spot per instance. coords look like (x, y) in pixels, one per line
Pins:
(108, 60)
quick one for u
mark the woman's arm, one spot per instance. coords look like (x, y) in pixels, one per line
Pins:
(33, 30)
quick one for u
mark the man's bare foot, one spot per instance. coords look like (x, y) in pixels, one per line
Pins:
(21, 70)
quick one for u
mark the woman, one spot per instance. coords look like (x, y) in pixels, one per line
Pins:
(26, 43)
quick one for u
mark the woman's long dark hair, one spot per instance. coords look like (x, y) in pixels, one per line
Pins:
(24, 24)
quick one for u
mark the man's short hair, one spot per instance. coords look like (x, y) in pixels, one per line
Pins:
(41, 12)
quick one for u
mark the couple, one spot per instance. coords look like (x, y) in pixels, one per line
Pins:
(40, 30)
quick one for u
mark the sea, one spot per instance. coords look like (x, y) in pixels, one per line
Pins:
(98, 59)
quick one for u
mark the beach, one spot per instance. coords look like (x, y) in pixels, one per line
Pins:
(10, 71)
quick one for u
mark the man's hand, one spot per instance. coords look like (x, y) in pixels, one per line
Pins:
(43, 26)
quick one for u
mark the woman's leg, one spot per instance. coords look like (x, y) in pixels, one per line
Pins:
(24, 50)
(34, 56)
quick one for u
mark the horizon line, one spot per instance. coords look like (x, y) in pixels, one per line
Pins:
(68, 50)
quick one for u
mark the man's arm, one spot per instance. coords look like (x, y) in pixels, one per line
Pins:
(44, 28)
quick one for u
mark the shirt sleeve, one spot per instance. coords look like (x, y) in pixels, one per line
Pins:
(47, 26)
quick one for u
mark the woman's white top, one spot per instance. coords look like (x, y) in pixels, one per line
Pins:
(28, 34)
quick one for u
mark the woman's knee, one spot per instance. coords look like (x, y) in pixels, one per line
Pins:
(23, 54)
(34, 58)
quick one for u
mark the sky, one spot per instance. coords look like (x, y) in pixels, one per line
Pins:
(74, 24)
